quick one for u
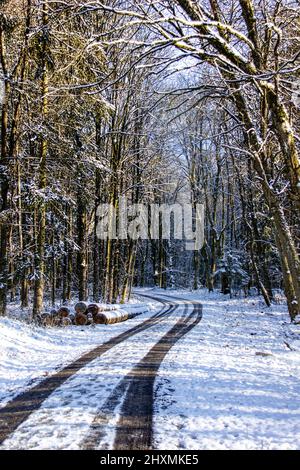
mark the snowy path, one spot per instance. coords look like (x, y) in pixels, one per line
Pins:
(59, 411)
(134, 427)
(231, 382)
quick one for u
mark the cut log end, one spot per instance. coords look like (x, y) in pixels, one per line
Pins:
(93, 309)
(63, 312)
(66, 321)
(100, 319)
(80, 319)
(81, 307)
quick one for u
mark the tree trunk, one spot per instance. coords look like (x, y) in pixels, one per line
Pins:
(4, 194)
(41, 213)
(82, 265)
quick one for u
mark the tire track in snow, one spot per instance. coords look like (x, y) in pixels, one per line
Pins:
(15, 412)
(134, 427)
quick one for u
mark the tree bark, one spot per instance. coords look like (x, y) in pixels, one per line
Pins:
(39, 284)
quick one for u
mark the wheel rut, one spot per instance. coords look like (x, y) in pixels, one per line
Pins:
(16, 411)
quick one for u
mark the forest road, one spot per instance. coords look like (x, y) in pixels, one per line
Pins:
(134, 430)
(135, 390)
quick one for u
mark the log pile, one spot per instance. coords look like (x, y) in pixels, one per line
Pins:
(91, 314)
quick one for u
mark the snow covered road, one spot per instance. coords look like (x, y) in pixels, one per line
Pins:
(231, 381)
(61, 410)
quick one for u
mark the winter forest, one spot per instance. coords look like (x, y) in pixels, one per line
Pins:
(175, 104)
(148, 99)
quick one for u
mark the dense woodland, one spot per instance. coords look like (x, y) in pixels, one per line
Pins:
(148, 99)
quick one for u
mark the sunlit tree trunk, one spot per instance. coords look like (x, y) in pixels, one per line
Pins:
(39, 283)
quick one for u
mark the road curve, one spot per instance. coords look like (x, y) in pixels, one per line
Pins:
(16, 411)
(135, 391)
(135, 426)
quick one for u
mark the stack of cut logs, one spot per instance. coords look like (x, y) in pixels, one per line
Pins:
(91, 314)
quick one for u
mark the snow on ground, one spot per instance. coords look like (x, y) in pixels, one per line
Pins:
(29, 353)
(65, 417)
(233, 382)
